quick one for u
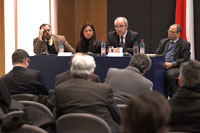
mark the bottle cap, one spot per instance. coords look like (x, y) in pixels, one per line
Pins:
(102, 40)
(142, 40)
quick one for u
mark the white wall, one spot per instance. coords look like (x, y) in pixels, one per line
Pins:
(30, 15)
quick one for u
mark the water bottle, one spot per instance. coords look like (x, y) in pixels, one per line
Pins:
(142, 46)
(103, 48)
(61, 46)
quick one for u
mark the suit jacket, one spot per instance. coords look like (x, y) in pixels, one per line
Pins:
(96, 50)
(132, 38)
(185, 108)
(181, 52)
(126, 83)
(21, 80)
(62, 77)
(5, 100)
(83, 96)
(40, 47)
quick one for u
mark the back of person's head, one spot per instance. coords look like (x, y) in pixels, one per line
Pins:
(82, 66)
(147, 113)
(190, 74)
(141, 62)
(19, 56)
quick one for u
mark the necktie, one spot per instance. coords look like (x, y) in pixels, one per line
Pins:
(122, 43)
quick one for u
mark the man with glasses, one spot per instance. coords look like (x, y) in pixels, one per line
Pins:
(21, 80)
(122, 37)
(176, 51)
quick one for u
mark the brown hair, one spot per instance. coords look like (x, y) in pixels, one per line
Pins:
(147, 113)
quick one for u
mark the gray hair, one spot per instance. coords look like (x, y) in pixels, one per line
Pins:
(190, 73)
(140, 61)
(82, 66)
(125, 20)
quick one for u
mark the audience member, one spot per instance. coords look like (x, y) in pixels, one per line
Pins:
(81, 95)
(88, 42)
(185, 102)
(122, 37)
(5, 100)
(147, 113)
(22, 80)
(47, 43)
(62, 77)
(176, 51)
(130, 81)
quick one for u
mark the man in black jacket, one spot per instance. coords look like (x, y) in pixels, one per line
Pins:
(185, 102)
(122, 37)
(22, 80)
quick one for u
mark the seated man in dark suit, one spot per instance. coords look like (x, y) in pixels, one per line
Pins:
(122, 37)
(81, 95)
(185, 102)
(176, 51)
(67, 75)
(130, 81)
(22, 80)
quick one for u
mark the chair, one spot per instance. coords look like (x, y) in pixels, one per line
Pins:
(81, 123)
(38, 105)
(122, 107)
(28, 129)
(38, 115)
(24, 97)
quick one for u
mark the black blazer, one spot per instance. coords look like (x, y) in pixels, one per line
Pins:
(97, 48)
(132, 38)
(21, 80)
(62, 77)
(181, 53)
(83, 96)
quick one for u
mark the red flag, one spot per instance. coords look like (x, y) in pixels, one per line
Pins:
(185, 18)
(181, 16)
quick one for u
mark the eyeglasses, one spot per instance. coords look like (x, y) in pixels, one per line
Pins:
(119, 27)
(171, 31)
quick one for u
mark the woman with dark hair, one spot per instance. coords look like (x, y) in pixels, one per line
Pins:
(147, 113)
(88, 42)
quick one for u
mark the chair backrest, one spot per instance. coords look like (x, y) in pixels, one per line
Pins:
(29, 129)
(38, 105)
(24, 97)
(81, 123)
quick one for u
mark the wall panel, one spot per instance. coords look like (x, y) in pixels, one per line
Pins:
(2, 39)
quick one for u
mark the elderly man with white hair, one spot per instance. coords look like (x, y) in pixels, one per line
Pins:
(122, 36)
(81, 95)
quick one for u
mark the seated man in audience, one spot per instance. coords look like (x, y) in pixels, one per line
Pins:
(60, 78)
(176, 51)
(147, 113)
(81, 95)
(5, 100)
(47, 43)
(185, 102)
(130, 81)
(22, 80)
(122, 37)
